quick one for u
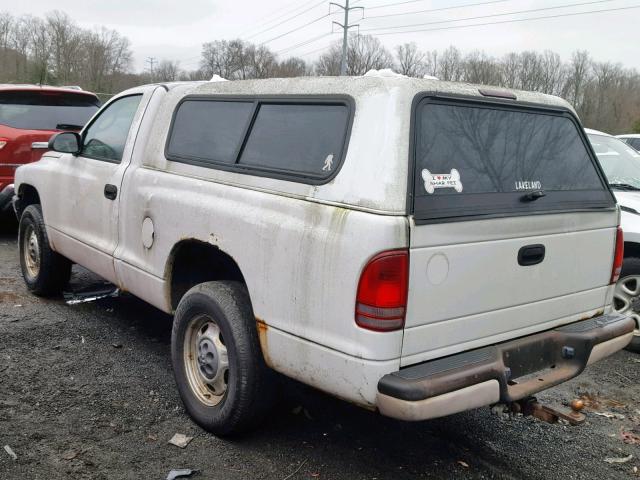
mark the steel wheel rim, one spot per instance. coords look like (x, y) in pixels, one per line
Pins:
(206, 360)
(31, 251)
(626, 298)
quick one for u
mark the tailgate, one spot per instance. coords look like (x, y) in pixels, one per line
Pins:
(488, 261)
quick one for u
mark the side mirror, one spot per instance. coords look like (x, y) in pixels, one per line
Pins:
(66, 142)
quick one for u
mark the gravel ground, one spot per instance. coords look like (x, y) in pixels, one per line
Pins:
(87, 392)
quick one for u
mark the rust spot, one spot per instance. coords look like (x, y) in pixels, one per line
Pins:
(597, 314)
(262, 328)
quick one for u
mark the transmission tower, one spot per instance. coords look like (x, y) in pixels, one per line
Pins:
(345, 32)
(151, 61)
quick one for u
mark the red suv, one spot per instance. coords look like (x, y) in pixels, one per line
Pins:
(29, 115)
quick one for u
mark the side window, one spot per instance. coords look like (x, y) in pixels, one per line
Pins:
(303, 139)
(635, 143)
(106, 137)
(209, 131)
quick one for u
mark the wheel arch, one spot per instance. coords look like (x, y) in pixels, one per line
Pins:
(193, 261)
(26, 195)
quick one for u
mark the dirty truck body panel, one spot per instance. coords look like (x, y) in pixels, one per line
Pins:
(303, 237)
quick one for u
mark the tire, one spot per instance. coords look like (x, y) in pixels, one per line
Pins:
(629, 299)
(45, 272)
(214, 324)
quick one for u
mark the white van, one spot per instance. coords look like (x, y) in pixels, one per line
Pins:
(413, 246)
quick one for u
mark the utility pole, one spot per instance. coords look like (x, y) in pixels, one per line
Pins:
(345, 32)
(151, 61)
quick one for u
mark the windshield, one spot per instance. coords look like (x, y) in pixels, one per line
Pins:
(46, 110)
(621, 163)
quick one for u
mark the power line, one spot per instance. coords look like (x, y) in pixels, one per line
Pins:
(315, 50)
(511, 21)
(295, 29)
(276, 17)
(302, 44)
(414, 12)
(487, 16)
(394, 4)
(315, 5)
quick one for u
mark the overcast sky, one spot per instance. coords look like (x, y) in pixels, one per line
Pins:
(175, 30)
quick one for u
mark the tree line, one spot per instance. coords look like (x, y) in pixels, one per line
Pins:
(54, 50)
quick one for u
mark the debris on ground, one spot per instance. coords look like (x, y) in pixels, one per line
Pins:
(180, 473)
(631, 437)
(618, 416)
(594, 402)
(74, 298)
(618, 459)
(70, 455)
(180, 440)
(10, 452)
(464, 464)
(296, 470)
(116, 345)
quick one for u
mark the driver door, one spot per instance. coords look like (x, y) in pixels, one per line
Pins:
(83, 222)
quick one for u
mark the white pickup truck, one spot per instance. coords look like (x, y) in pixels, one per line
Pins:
(413, 246)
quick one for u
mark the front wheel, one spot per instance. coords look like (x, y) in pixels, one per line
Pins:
(626, 297)
(45, 272)
(217, 361)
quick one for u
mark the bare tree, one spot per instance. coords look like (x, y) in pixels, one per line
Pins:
(329, 62)
(410, 60)
(166, 71)
(579, 72)
(364, 53)
(217, 59)
(480, 68)
(450, 65)
(292, 67)
(553, 73)
(65, 46)
(40, 47)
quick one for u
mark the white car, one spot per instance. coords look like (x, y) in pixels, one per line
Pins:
(631, 139)
(621, 165)
(412, 246)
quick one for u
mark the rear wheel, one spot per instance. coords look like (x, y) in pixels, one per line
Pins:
(627, 296)
(45, 272)
(217, 361)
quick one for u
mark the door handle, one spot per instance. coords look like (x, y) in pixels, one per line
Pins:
(110, 191)
(531, 255)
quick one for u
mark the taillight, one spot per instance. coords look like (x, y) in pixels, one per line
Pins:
(381, 303)
(3, 142)
(618, 256)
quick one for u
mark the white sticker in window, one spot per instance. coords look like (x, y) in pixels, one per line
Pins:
(528, 185)
(328, 163)
(441, 180)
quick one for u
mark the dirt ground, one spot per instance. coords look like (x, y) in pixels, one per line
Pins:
(87, 392)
